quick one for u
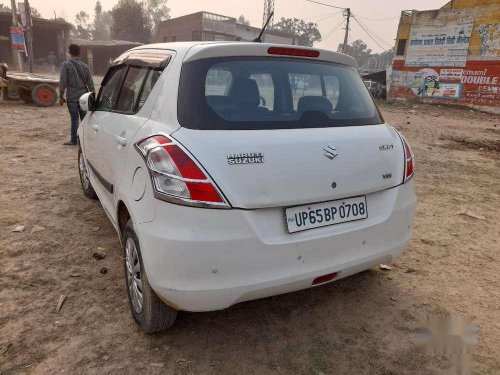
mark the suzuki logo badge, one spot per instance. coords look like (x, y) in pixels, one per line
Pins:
(330, 152)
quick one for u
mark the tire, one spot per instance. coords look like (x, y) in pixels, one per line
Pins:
(87, 188)
(25, 95)
(148, 311)
(44, 95)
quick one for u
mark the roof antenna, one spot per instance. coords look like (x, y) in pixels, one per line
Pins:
(259, 38)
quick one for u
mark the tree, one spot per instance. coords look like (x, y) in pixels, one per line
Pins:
(387, 57)
(306, 33)
(243, 21)
(81, 29)
(130, 22)
(35, 13)
(359, 50)
(156, 11)
(101, 28)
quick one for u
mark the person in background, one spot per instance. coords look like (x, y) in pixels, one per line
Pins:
(60, 60)
(52, 60)
(75, 81)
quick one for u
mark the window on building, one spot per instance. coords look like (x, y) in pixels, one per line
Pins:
(174, 38)
(165, 39)
(196, 35)
(401, 47)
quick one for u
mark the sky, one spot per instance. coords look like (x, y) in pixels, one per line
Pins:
(379, 17)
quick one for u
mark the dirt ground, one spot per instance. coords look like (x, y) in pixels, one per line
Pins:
(364, 324)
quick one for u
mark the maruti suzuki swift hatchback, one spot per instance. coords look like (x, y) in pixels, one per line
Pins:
(236, 171)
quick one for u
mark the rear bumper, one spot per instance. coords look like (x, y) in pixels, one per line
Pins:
(202, 259)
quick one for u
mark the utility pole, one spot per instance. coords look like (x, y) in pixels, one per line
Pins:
(29, 28)
(348, 15)
(268, 12)
(16, 55)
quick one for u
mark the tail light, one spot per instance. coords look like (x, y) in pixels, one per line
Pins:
(408, 168)
(176, 176)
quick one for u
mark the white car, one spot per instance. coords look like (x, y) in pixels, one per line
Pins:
(226, 184)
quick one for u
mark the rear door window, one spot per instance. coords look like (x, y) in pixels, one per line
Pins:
(131, 89)
(149, 84)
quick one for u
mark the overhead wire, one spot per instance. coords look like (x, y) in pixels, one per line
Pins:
(378, 19)
(328, 5)
(380, 39)
(322, 16)
(332, 30)
(376, 39)
(372, 35)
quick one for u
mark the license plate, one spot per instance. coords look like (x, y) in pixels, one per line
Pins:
(326, 213)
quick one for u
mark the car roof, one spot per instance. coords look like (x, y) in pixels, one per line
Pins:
(199, 50)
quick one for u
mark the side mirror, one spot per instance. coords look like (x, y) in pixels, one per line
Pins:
(87, 102)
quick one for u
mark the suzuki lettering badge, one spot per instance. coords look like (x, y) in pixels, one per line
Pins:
(245, 158)
(330, 151)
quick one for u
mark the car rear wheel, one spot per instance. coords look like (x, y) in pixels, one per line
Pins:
(150, 313)
(87, 188)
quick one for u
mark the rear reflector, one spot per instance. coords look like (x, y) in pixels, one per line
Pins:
(324, 278)
(292, 52)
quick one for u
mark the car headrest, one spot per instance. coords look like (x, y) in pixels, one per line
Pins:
(245, 93)
(314, 103)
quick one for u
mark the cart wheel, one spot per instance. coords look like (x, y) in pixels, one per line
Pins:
(24, 95)
(44, 95)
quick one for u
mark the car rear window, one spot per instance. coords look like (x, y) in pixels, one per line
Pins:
(272, 93)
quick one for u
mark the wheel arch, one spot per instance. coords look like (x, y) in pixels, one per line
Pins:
(122, 217)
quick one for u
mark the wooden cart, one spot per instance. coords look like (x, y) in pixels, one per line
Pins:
(31, 88)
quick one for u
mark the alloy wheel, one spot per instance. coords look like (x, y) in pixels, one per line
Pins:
(134, 277)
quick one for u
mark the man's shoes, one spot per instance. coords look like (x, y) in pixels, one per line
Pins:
(69, 143)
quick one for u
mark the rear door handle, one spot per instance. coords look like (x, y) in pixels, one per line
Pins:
(121, 140)
(95, 127)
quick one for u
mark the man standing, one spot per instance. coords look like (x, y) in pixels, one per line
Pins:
(52, 60)
(75, 81)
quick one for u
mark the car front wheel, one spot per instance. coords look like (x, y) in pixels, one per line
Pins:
(150, 313)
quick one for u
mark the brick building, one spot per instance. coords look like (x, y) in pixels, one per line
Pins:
(205, 26)
(449, 55)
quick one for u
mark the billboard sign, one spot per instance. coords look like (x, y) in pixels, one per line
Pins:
(442, 45)
(17, 37)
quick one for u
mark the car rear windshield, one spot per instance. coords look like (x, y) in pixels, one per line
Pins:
(272, 93)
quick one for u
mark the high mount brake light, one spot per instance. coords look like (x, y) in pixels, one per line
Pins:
(292, 52)
(176, 177)
(409, 157)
